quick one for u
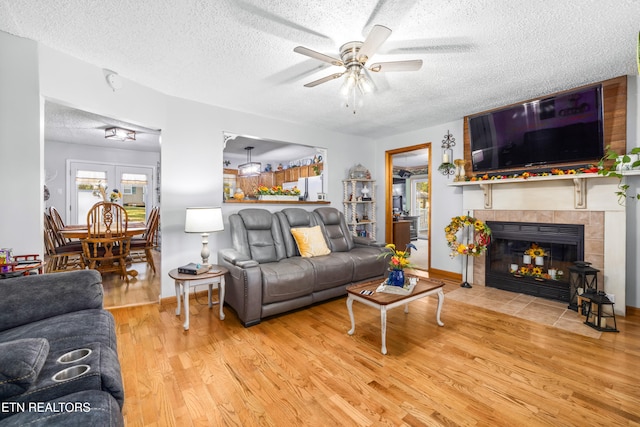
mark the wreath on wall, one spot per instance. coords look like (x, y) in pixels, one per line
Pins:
(481, 236)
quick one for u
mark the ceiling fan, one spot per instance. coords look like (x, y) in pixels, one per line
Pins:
(353, 57)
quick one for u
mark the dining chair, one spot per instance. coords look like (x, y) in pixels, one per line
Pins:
(57, 221)
(60, 255)
(142, 247)
(106, 247)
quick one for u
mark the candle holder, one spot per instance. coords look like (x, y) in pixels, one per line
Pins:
(447, 167)
(461, 174)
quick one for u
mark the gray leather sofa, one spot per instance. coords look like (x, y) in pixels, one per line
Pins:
(58, 357)
(267, 275)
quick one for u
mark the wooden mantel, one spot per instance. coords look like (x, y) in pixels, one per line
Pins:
(577, 180)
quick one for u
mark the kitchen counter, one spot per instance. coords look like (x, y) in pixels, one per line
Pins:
(283, 202)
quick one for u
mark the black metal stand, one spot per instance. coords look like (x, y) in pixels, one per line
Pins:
(465, 283)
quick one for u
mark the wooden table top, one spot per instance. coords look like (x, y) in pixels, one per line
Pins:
(79, 231)
(383, 298)
(214, 271)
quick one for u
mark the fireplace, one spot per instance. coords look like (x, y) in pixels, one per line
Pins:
(512, 264)
(587, 200)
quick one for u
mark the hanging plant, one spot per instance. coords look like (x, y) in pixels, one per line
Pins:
(614, 170)
(447, 168)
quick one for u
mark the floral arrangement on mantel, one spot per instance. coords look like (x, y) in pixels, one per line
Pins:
(525, 175)
(479, 243)
(277, 190)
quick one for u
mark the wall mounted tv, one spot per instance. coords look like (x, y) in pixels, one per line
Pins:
(564, 128)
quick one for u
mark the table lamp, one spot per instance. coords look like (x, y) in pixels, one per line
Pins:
(204, 221)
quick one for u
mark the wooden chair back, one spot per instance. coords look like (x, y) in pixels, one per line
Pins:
(107, 246)
(151, 233)
(108, 220)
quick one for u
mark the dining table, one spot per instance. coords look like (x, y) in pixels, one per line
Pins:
(80, 231)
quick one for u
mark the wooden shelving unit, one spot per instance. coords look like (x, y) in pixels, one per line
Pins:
(360, 214)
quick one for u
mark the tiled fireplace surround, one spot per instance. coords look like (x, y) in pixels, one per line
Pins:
(559, 201)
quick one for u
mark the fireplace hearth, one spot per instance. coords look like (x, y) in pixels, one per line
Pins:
(511, 263)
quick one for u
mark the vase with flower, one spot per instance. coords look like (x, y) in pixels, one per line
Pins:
(398, 261)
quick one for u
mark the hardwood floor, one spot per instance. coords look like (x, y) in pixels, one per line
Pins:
(483, 368)
(142, 289)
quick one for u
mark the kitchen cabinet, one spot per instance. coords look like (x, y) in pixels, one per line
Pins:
(268, 179)
(401, 234)
(248, 184)
(291, 175)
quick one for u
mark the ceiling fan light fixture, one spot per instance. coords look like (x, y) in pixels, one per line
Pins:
(120, 134)
(250, 168)
(349, 83)
(365, 84)
(353, 57)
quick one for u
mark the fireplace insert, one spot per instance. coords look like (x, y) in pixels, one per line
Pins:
(533, 258)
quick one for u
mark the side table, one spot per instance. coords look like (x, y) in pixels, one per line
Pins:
(183, 282)
(22, 265)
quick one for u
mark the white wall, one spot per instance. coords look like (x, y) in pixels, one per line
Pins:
(20, 139)
(446, 202)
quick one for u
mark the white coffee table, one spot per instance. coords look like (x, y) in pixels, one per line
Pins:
(385, 301)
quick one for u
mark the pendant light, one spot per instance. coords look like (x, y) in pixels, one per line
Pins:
(250, 168)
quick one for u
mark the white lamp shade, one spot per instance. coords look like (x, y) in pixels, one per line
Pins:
(203, 220)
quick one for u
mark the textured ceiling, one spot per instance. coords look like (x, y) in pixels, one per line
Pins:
(239, 53)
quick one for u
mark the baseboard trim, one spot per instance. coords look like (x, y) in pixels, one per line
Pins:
(632, 311)
(446, 274)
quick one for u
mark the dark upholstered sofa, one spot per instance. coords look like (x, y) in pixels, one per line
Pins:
(267, 274)
(52, 329)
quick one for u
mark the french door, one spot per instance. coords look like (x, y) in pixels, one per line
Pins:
(134, 183)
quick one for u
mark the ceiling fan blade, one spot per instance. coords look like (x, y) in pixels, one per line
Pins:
(324, 80)
(317, 55)
(376, 37)
(246, 13)
(391, 12)
(380, 67)
(297, 72)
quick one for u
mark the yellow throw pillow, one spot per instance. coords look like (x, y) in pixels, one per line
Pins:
(310, 241)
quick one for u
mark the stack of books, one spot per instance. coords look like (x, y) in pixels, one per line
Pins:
(193, 268)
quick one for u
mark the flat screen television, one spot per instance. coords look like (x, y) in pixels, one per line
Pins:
(565, 128)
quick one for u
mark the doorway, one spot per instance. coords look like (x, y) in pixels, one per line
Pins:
(408, 197)
(79, 156)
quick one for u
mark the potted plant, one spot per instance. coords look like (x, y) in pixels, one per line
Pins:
(397, 263)
(616, 169)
